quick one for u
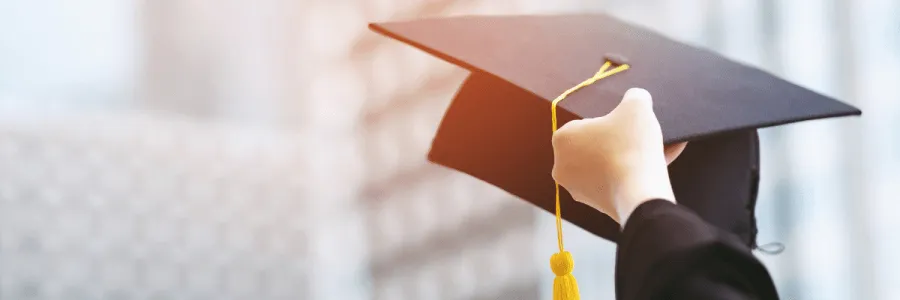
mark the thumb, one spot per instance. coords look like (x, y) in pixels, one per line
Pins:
(636, 101)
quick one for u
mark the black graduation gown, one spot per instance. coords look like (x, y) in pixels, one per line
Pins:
(668, 252)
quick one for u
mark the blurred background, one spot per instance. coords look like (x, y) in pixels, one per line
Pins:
(274, 149)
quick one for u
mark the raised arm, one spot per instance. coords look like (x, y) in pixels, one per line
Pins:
(618, 164)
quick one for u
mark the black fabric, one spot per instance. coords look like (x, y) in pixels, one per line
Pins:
(697, 93)
(666, 251)
(717, 178)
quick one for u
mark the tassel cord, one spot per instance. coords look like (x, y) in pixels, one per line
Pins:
(565, 287)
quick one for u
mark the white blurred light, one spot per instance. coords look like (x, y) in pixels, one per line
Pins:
(384, 76)
(337, 95)
(331, 28)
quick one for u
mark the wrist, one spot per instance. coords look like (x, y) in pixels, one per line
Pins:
(639, 188)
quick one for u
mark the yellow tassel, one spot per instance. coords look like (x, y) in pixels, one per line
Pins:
(564, 286)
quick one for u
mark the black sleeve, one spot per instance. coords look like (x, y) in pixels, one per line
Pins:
(667, 252)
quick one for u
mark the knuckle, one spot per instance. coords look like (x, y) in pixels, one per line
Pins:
(561, 137)
(559, 175)
(568, 131)
(562, 170)
(568, 126)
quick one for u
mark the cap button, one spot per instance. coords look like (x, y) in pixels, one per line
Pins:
(616, 58)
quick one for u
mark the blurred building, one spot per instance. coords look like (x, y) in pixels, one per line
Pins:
(137, 207)
(433, 233)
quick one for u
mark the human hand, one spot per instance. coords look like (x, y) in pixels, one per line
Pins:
(616, 162)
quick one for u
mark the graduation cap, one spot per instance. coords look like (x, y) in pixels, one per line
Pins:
(497, 127)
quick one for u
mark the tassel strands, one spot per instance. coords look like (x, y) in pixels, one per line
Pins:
(565, 287)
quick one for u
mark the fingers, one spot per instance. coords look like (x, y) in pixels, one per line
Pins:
(673, 151)
(636, 107)
(639, 97)
(568, 143)
(566, 134)
(562, 141)
(636, 101)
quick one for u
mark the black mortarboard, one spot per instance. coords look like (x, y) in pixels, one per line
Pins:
(498, 126)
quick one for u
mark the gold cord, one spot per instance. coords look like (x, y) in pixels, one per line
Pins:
(603, 73)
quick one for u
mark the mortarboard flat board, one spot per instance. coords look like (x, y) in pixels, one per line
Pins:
(497, 127)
